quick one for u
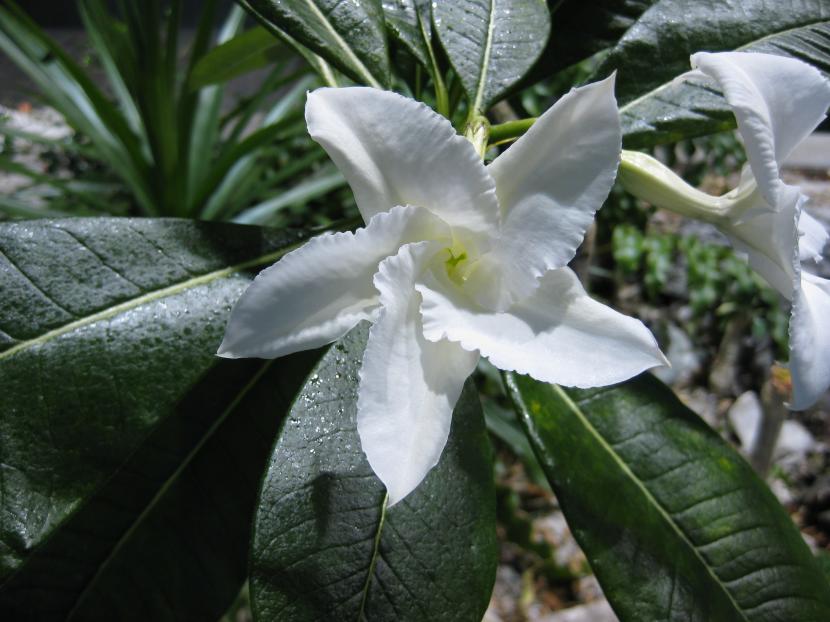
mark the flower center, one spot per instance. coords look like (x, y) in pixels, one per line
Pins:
(455, 262)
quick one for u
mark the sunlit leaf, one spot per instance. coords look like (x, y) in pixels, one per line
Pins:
(676, 525)
(654, 108)
(349, 35)
(491, 43)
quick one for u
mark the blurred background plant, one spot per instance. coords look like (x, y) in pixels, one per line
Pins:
(160, 137)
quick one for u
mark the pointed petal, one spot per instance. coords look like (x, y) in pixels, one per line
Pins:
(810, 341)
(812, 237)
(408, 385)
(550, 183)
(558, 335)
(396, 151)
(769, 240)
(777, 101)
(318, 292)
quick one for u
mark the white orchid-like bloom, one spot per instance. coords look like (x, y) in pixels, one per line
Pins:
(456, 260)
(777, 102)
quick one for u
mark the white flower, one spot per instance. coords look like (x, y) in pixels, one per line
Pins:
(456, 260)
(778, 102)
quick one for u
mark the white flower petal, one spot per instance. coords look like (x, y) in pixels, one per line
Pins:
(558, 335)
(318, 292)
(550, 183)
(396, 151)
(812, 237)
(770, 240)
(810, 341)
(777, 101)
(408, 385)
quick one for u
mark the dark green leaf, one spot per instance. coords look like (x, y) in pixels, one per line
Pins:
(585, 28)
(675, 524)
(324, 548)
(349, 35)
(253, 49)
(657, 48)
(405, 19)
(131, 455)
(504, 425)
(581, 29)
(491, 43)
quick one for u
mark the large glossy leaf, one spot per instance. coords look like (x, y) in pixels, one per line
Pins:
(130, 455)
(324, 548)
(674, 522)
(491, 43)
(411, 23)
(581, 29)
(657, 48)
(349, 35)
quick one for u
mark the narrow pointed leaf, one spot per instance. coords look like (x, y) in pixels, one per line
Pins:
(307, 190)
(349, 35)
(253, 49)
(675, 524)
(656, 50)
(491, 43)
(131, 455)
(325, 549)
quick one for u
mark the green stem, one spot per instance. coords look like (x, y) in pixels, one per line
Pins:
(510, 131)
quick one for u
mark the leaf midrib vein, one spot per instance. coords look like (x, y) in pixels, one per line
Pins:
(169, 482)
(647, 493)
(370, 80)
(485, 60)
(158, 294)
(373, 561)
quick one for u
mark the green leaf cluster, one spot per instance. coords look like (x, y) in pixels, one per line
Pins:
(162, 128)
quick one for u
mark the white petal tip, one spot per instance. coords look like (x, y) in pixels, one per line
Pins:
(394, 499)
(802, 402)
(226, 353)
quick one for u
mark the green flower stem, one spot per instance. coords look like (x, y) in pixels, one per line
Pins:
(510, 130)
(651, 180)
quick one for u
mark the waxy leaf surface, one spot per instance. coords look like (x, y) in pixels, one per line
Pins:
(491, 43)
(675, 524)
(349, 35)
(324, 548)
(131, 455)
(656, 49)
(410, 21)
